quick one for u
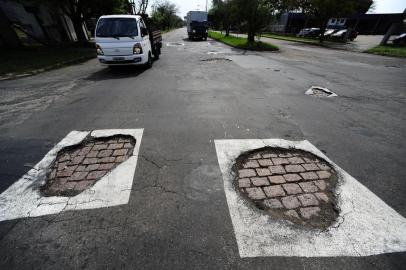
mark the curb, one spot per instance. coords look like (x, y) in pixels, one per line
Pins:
(298, 41)
(48, 68)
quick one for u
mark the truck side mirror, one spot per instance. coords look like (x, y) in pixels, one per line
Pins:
(144, 32)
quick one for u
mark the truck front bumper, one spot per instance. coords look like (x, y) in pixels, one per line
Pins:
(122, 60)
(198, 35)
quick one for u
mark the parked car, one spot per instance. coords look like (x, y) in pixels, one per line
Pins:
(309, 32)
(342, 34)
(329, 32)
(400, 40)
(313, 33)
(126, 40)
(333, 33)
(303, 32)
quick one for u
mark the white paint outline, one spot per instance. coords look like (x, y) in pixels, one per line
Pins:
(366, 225)
(23, 198)
(330, 93)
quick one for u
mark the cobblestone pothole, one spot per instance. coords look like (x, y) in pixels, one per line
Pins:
(288, 184)
(78, 167)
(318, 91)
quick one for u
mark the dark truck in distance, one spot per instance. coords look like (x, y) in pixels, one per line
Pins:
(197, 26)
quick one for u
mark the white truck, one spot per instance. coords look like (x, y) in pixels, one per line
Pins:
(127, 40)
(197, 26)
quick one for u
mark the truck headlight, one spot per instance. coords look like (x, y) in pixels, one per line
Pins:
(194, 31)
(137, 49)
(99, 50)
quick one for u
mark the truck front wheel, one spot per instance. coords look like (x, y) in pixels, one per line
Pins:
(157, 53)
(148, 65)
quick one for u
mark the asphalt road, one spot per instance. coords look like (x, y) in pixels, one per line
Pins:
(177, 217)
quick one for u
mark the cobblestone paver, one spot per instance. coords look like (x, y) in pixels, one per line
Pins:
(294, 183)
(77, 168)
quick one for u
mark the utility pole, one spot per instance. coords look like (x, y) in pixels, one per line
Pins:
(206, 5)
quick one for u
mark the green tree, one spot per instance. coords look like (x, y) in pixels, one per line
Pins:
(223, 14)
(255, 14)
(216, 14)
(164, 15)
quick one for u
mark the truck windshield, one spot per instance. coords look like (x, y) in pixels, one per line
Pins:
(199, 24)
(117, 27)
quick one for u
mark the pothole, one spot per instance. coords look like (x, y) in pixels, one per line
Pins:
(318, 91)
(175, 44)
(77, 168)
(289, 184)
(215, 60)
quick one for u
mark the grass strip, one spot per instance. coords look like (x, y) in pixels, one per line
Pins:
(388, 50)
(242, 43)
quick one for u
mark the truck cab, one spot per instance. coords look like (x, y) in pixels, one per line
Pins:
(125, 40)
(197, 25)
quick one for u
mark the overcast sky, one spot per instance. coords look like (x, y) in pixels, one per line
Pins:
(381, 6)
(389, 6)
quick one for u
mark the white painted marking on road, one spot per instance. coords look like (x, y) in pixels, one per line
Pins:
(23, 198)
(215, 53)
(366, 225)
(315, 89)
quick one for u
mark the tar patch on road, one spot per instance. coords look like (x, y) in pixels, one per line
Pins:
(288, 184)
(216, 60)
(175, 44)
(78, 167)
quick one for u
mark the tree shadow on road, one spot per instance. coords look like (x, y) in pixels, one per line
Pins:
(116, 72)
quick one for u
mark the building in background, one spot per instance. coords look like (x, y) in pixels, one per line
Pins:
(365, 24)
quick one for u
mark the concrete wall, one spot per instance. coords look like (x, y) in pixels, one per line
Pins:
(50, 26)
(16, 13)
(8, 37)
